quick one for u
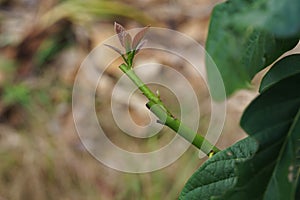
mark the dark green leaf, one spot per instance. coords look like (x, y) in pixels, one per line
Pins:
(298, 190)
(275, 16)
(283, 68)
(217, 174)
(284, 177)
(240, 53)
(265, 165)
(273, 120)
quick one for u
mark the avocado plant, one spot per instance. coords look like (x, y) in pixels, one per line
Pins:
(244, 38)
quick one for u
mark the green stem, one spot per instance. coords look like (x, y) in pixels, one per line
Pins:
(165, 116)
(187, 133)
(142, 87)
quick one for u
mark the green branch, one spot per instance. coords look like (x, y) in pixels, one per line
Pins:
(165, 117)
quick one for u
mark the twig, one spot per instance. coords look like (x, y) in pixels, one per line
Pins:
(164, 115)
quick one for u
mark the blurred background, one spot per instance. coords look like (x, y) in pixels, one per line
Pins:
(42, 45)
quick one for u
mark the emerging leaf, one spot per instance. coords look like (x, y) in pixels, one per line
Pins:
(119, 28)
(124, 37)
(127, 42)
(114, 48)
(139, 37)
(131, 47)
(140, 46)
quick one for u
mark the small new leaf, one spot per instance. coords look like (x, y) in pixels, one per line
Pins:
(140, 46)
(139, 37)
(114, 48)
(127, 42)
(120, 30)
(131, 46)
